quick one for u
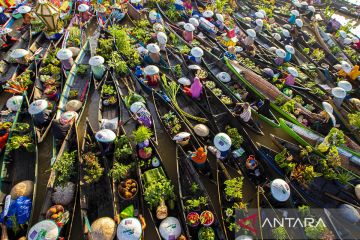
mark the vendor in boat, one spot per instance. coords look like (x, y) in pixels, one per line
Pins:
(195, 89)
(61, 126)
(250, 38)
(293, 15)
(8, 40)
(188, 33)
(40, 112)
(243, 110)
(286, 37)
(264, 107)
(199, 158)
(346, 71)
(152, 76)
(25, 11)
(222, 143)
(296, 28)
(259, 25)
(154, 53)
(342, 36)
(290, 78)
(219, 23)
(3, 17)
(252, 166)
(356, 43)
(290, 50)
(328, 120)
(280, 56)
(162, 40)
(182, 138)
(85, 14)
(311, 12)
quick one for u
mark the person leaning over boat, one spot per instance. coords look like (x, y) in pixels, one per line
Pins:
(245, 109)
(8, 40)
(199, 158)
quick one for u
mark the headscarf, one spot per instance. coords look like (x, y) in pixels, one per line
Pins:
(196, 88)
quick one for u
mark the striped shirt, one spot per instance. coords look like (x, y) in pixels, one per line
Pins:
(246, 115)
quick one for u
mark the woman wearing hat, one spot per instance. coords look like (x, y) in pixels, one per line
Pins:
(259, 25)
(8, 40)
(289, 52)
(293, 15)
(195, 89)
(356, 44)
(188, 33)
(40, 112)
(85, 14)
(342, 36)
(199, 158)
(311, 12)
(290, 78)
(25, 12)
(286, 37)
(280, 56)
(250, 38)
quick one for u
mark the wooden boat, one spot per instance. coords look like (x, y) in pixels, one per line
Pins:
(20, 166)
(40, 87)
(188, 178)
(110, 115)
(306, 137)
(321, 191)
(221, 107)
(151, 175)
(96, 198)
(135, 13)
(127, 86)
(80, 84)
(9, 68)
(69, 148)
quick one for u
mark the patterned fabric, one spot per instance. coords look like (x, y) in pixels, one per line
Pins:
(246, 115)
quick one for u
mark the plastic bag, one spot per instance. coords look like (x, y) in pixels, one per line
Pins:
(20, 208)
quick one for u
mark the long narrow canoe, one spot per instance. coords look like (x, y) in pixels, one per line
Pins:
(70, 147)
(96, 198)
(20, 168)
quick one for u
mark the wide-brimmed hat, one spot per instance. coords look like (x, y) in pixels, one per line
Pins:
(129, 229)
(153, 48)
(201, 130)
(222, 141)
(304, 4)
(83, 7)
(24, 9)
(105, 136)
(194, 22)
(293, 71)
(251, 32)
(276, 36)
(19, 53)
(259, 22)
(311, 8)
(38, 106)
(280, 53)
(14, 103)
(151, 70)
(189, 27)
(287, 26)
(295, 12)
(170, 228)
(342, 33)
(181, 135)
(290, 49)
(263, 12)
(64, 54)
(158, 27)
(220, 17)
(208, 14)
(346, 66)
(184, 81)
(96, 61)
(345, 85)
(355, 40)
(259, 15)
(347, 41)
(299, 22)
(280, 190)
(161, 37)
(285, 32)
(197, 52)
(223, 77)
(329, 110)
